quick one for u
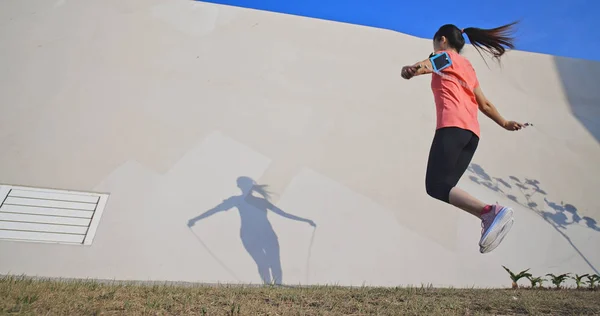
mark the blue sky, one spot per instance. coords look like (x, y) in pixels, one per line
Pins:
(556, 27)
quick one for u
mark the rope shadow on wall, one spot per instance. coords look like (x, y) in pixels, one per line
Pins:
(256, 232)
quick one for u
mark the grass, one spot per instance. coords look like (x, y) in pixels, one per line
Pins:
(26, 296)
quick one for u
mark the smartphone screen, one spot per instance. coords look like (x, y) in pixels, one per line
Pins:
(441, 61)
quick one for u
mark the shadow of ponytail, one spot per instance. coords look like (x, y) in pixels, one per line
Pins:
(262, 190)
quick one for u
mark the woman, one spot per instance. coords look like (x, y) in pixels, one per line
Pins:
(458, 96)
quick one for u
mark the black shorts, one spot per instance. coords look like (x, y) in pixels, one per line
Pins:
(449, 157)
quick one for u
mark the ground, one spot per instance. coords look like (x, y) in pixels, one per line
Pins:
(25, 296)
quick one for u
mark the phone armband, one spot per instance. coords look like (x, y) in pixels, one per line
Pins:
(440, 61)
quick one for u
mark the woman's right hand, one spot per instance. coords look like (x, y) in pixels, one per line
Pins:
(408, 72)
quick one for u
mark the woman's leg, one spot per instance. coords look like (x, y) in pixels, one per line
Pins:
(448, 161)
(446, 148)
(451, 152)
(466, 202)
(459, 197)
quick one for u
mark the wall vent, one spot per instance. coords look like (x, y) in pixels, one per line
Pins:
(51, 216)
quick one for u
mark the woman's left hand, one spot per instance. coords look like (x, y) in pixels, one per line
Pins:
(512, 126)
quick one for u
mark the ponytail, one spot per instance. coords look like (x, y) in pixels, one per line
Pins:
(492, 41)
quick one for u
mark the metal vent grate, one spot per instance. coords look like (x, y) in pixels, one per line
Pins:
(44, 215)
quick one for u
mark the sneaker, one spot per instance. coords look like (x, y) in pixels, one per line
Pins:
(499, 239)
(495, 225)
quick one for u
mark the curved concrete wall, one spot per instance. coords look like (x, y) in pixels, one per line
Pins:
(166, 104)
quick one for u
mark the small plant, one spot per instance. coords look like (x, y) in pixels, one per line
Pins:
(516, 277)
(592, 279)
(536, 281)
(557, 280)
(578, 279)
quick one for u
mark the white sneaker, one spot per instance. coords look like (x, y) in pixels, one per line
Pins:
(495, 225)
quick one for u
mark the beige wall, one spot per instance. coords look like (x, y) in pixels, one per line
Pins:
(164, 104)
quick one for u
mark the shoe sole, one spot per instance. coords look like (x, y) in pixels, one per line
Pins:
(504, 216)
(503, 232)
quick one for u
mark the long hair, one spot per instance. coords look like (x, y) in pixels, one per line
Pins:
(248, 185)
(262, 190)
(493, 41)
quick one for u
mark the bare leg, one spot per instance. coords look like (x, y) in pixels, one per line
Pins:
(466, 202)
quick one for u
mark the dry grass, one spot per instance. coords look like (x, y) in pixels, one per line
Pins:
(25, 296)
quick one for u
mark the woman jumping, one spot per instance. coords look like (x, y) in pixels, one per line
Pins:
(458, 96)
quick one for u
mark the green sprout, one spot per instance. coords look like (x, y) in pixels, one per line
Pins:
(578, 279)
(536, 281)
(516, 277)
(592, 279)
(557, 280)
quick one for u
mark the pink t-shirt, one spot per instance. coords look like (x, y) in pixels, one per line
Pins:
(455, 104)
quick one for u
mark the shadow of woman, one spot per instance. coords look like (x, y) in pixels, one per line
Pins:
(256, 232)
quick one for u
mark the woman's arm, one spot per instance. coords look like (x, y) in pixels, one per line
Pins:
(279, 211)
(419, 68)
(224, 206)
(488, 108)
